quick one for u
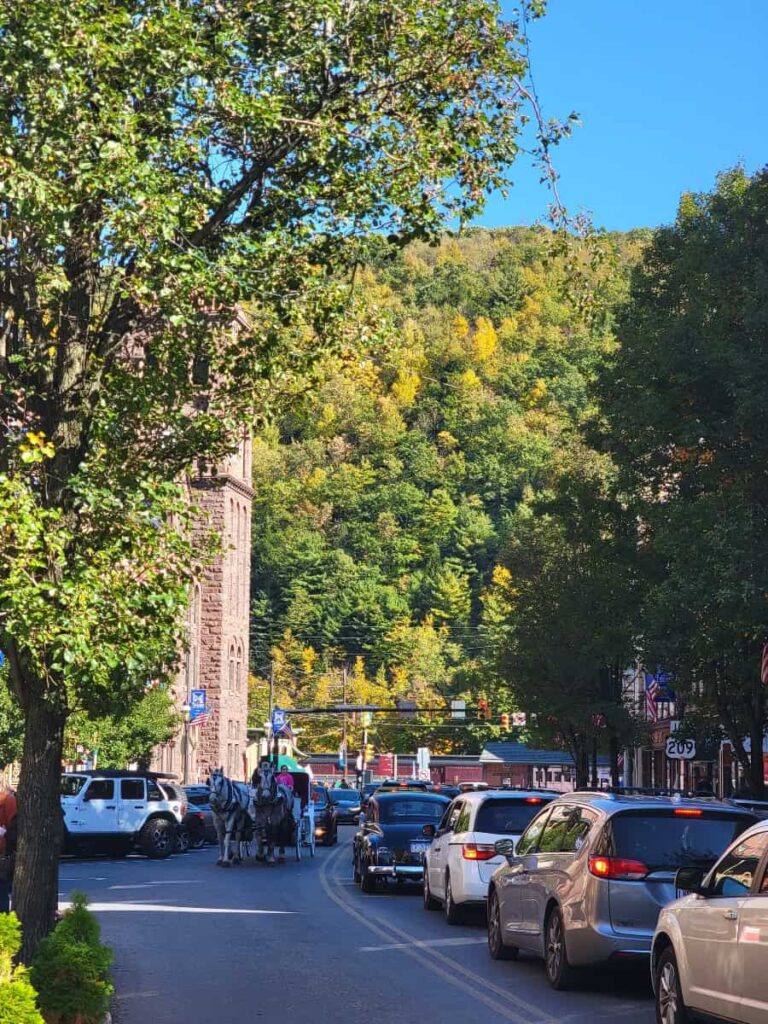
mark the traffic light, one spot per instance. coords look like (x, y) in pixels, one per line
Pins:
(368, 753)
(483, 711)
(505, 722)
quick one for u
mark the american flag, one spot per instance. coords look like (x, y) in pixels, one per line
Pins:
(202, 719)
(651, 690)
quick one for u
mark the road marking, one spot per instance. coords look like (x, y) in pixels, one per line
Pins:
(150, 885)
(424, 944)
(103, 908)
(424, 958)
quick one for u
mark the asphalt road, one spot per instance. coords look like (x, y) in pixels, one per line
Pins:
(299, 943)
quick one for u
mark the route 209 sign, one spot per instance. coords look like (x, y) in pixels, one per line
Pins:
(681, 750)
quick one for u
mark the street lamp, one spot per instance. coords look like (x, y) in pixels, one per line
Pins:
(185, 709)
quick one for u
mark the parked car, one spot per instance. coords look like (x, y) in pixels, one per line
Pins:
(326, 816)
(397, 785)
(178, 801)
(445, 790)
(472, 787)
(199, 797)
(347, 803)
(391, 842)
(115, 812)
(462, 858)
(710, 950)
(590, 874)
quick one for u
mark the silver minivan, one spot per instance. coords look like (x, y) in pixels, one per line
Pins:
(590, 874)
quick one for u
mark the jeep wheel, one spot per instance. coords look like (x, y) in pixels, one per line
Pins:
(157, 838)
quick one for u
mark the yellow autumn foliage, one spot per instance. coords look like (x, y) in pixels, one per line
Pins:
(485, 341)
(406, 387)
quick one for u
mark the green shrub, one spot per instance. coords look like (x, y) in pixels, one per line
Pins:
(71, 969)
(18, 1004)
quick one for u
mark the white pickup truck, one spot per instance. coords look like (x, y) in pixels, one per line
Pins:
(115, 812)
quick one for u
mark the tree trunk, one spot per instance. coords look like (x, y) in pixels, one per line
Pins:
(36, 880)
(581, 760)
(756, 728)
(613, 753)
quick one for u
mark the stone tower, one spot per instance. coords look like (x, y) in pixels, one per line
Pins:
(217, 657)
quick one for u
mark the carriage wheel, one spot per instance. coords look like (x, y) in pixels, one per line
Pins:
(298, 843)
(312, 845)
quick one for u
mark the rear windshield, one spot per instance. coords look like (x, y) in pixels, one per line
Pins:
(344, 796)
(664, 839)
(411, 809)
(71, 784)
(506, 817)
(199, 799)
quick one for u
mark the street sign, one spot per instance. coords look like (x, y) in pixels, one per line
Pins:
(278, 718)
(197, 704)
(458, 709)
(681, 750)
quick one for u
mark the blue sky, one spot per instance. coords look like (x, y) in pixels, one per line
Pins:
(669, 91)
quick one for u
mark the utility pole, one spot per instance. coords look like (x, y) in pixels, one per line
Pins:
(344, 725)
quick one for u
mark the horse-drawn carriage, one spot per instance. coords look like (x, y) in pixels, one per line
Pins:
(303, 813)
(258, 818)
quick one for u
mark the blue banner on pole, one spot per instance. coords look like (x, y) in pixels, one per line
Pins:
(197, 704)
(278, 719)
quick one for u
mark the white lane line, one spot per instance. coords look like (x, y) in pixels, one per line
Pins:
(105, 908)
(476, 990)
(424, 944)
(150, 885)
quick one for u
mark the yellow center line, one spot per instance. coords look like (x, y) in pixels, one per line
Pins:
(433, 962)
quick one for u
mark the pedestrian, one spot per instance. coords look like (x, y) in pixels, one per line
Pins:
(8, 827)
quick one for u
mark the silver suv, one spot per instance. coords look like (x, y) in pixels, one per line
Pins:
(590, 874)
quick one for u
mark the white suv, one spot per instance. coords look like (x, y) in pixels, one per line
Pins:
(710, 950)
(461, 859)
(115, 811)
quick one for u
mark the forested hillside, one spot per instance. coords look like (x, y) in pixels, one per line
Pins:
(388, 498)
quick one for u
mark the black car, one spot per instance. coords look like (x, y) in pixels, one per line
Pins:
(391, 842)
(347, 803)
(445, 790)
(326, 816)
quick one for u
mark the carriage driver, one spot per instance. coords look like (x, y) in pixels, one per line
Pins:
(284, 778)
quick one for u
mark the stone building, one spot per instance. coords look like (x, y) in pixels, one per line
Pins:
(216, 659)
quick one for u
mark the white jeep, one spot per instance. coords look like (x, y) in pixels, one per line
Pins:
(115, 812)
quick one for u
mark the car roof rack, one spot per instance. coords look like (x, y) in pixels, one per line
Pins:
(125, 773)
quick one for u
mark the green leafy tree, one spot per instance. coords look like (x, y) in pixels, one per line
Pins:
(123, 739)
(684, 404)
(568, 627)
(18, 1000)
(162, 164)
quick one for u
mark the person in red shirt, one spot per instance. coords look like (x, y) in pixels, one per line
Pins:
(7, 847)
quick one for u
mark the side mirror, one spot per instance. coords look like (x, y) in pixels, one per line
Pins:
(690, 880)
(429, 831)
(505, 847)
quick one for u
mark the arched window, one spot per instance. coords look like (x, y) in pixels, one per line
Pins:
(239, 667)
(232, 668)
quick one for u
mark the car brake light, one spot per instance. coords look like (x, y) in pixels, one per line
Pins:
(199, 815)
(473, 851)
(688, 812)
(617, 868)
(533, 800)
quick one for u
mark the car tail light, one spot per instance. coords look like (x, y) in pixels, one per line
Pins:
(475, 851)
(688, 812)
(199, 815)
(533, 800)
(617, 868)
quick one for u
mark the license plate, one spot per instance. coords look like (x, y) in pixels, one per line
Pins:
(419, 847)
